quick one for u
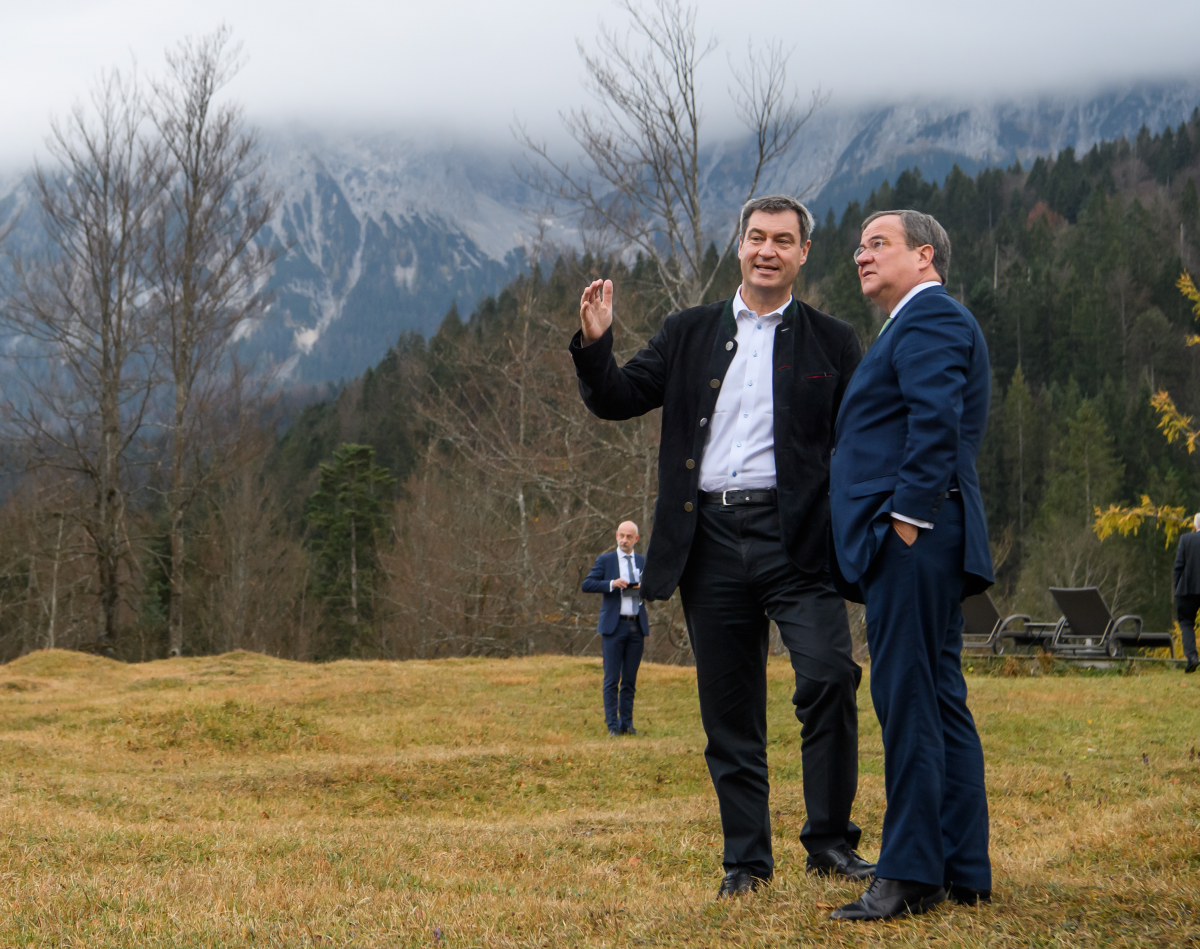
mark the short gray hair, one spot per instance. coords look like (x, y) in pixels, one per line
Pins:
(772, 204)
(919, 230)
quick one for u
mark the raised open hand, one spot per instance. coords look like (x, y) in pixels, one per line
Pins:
(595, 310)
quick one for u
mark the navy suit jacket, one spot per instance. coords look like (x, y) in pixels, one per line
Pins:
(607, 568)
(909, 428)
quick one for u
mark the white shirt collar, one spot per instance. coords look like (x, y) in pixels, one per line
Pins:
(633, 554)
(912, 293)
(739, 307)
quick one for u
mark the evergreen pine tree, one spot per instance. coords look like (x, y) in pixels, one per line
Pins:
(1021, 456)
(1085, 472)
(1183, 148)
(844, 298)
(345, 516)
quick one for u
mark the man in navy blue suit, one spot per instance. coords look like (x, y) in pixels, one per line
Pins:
(911, 542)
(623, 625)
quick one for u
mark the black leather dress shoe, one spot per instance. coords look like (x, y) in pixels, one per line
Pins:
(613, 733)
(737, 882)
(629, 731)
(841, 861)
(965, 896)
(891, 899)
(1192, 665)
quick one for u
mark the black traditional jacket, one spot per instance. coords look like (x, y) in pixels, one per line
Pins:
(682, 369)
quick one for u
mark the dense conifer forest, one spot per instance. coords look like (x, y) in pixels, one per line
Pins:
(450, 500)
(1071, 267)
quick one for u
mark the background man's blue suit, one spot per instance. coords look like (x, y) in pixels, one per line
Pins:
(621, 644)
(606, 569)
(906, 440)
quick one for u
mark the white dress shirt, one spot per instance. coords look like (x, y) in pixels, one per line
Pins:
(891, 319)
(740, 450)
(629, 604)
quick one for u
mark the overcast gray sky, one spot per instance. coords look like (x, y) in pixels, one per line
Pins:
(471, 65)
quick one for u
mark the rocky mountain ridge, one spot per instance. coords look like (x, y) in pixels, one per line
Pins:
(380, 233)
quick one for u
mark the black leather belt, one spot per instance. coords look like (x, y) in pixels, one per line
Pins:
(952, 493)
(732, 496)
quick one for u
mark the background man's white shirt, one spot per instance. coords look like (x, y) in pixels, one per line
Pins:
(629, 604)
(740, 451)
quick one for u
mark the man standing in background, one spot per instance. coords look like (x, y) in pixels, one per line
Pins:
(623, 625)
(1187, 591)
(911, 540)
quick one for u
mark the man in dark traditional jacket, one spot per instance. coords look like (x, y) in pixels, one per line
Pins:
(750, 389)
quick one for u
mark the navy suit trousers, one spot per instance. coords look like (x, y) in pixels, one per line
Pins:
(622, 651)
(738, 577)
(935, 829)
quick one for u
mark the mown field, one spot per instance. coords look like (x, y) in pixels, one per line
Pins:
(241, 800)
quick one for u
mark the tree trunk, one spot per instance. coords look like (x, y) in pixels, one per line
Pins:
(650, 453)
(178, 502)
(50, 641)
(526, 571)
(108, 530)
(353, 576)
(301, 651)
(1020, 465)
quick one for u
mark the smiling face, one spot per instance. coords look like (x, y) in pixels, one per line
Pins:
(771, 255)
(887, 267)
(627, 536)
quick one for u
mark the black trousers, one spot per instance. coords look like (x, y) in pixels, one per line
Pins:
(738, 576)
(1186, 607)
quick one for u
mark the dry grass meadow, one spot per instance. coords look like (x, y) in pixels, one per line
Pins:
(241, 800)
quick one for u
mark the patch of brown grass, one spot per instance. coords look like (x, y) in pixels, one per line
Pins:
(243, 800)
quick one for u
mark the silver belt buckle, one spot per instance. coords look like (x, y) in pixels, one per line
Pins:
(724, 503)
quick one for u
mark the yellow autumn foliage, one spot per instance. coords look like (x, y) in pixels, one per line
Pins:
(1174, 425)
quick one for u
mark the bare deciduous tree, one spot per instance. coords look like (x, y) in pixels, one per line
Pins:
(81, 322)
(520, 487)
(251, 567)
(207, 270)
(642, 184)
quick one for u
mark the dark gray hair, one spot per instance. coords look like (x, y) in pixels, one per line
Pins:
(773, 203)
(919, 230)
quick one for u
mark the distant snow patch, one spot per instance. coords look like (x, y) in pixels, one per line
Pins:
(405, 275)
(307, 339)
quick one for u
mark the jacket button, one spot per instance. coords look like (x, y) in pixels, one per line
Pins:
(687, 506)
(690, 463)
(703, 422)
(716, 383)
(834, 452)
(729, 346)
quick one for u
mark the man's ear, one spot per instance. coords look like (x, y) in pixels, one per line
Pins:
(925, 261)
